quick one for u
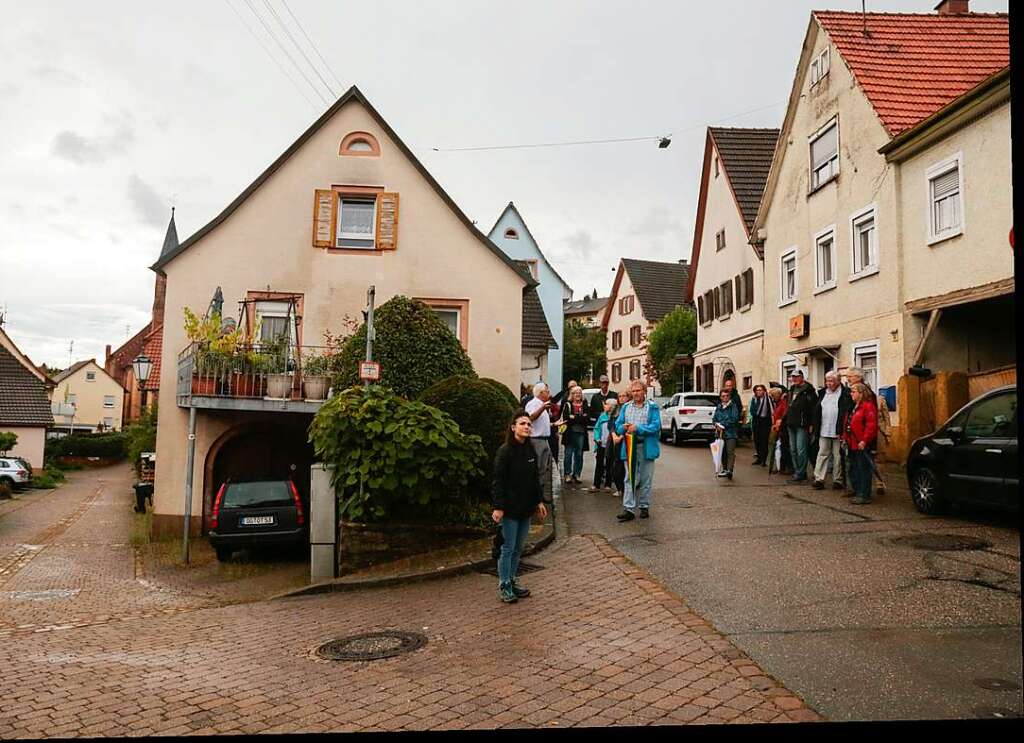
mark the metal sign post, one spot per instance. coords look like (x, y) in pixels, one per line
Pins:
(371, 292)
(190, 462)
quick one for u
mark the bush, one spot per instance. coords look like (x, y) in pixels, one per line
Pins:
(8, 441)
(412, 459)
(478, 409)
(140, 437)
(414, 348)
(47, 479)
(107, 445)
(504, 391)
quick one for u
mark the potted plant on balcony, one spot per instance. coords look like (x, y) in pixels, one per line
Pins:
(213, 351)
(247, 378)
(315, 375)
(275, 359)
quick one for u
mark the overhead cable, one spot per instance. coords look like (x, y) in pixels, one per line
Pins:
(298, 23)
(301, 50)
(270, 54)
(281, 46)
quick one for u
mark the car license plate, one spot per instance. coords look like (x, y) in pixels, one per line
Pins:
(704, 426)
(256, 520)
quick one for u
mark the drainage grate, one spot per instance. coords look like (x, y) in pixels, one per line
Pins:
(372, 645)
(941, 542)
(524, 567)
(996, 684)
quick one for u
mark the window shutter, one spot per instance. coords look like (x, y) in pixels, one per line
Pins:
(738, 288)
(946, 183)
(825, 147)
(749, 285)
(325, 210)
(387, 221)
(718, 302)
(700, 310)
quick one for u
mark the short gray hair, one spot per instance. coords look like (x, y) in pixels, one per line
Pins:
(831, 375)
(539, 387)
(855, 371)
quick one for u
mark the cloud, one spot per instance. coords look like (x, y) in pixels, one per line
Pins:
(150, 207)
(659, 220)
(55, 75)
(580, 244)
(82, 150)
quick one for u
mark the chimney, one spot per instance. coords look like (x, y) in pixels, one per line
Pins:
(159, 292)
(953, 7)
(107, 357)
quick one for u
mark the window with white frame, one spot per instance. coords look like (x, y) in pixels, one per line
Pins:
(108, 423)
(865, 355)
(819, 67)
(787, 277)
(864, 243)
(720, 239)
(108, 401)
(450, 316)
(945, 202)
(824, 155)
(825, 259)
(357, 222)
(634, 369)
(90, 376)
(786, 366)
(273, 321)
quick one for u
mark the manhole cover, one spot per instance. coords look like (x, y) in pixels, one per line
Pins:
(942, 542)
(1000, 713)
(372, 645)
(996, 684)
(524, 567)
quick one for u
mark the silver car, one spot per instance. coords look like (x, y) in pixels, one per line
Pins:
(13, 473)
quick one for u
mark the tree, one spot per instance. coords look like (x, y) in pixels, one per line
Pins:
(584, 356)
(8, 441)
(675, 334)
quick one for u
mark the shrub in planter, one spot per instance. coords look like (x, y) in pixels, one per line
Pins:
(503, 391)
(479, 409)
(414, 348)
(411, 458)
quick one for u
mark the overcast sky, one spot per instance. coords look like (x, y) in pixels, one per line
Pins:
(110, 112)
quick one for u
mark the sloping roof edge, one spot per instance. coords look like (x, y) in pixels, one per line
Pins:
(24, 360)
(352, 93)
(536, 244)
(613, 295)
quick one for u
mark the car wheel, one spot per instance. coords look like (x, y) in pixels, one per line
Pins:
(676, 439)
(223, 554)
(925, 491)
(7, 481)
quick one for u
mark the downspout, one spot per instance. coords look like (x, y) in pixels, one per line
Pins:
(190, 462)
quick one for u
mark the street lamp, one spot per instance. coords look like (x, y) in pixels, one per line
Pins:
(142, 366)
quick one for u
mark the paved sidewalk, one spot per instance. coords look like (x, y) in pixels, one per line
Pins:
(600, 643)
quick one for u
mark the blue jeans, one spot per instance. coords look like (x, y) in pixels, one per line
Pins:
(860, 473)
(574, 453)
(514, 531)
(798, 450)
(639, 493)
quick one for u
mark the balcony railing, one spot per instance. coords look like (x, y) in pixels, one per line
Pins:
(263, 373)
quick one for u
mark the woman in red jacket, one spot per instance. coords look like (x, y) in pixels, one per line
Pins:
(861, 432)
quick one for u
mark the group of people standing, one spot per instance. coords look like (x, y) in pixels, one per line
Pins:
(832, 431)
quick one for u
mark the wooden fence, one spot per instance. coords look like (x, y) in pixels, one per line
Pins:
(981, 382)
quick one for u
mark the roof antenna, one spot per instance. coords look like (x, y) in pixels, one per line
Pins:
(864, 14)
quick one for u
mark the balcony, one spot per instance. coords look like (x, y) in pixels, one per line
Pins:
(259, 378)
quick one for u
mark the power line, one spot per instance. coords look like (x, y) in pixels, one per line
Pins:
(270, 54)
(281, 46)
(298, 23)
(301, 50)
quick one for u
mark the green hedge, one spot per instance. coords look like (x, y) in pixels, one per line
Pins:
(106, 445)
(503, 391)
(414, 348)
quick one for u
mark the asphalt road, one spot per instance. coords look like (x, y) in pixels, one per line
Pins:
(834, 600)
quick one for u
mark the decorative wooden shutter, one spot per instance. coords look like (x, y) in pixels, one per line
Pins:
(325, 217)
(738, 287)
(718, 302)
(700, 310)
(387, 221)
(749, 273)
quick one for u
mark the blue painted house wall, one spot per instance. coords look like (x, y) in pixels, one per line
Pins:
(552, 289)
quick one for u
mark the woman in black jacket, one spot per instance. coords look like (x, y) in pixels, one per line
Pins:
(516, 496)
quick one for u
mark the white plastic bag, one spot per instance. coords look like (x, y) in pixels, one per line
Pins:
(716, 454)
(778, 456)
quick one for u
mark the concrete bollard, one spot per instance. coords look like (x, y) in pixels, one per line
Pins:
(323, 525)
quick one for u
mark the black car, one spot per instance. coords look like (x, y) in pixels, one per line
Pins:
(257, 513)
(971, 458)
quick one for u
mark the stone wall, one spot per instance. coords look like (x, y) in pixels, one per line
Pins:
(362, 545)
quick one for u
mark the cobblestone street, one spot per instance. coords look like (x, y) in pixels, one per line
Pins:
(88, 650)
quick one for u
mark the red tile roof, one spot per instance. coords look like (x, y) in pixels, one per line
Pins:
(911, 65)
(154, 350)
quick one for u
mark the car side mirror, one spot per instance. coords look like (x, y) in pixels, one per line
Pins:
(955, 433)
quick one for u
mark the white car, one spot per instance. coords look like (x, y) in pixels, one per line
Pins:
(13, 473)
(687, 415)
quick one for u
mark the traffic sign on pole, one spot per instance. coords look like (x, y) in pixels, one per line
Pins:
(369, 371)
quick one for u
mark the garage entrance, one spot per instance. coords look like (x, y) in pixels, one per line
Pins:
(260, 451)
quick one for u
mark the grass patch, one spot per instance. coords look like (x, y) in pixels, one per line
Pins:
(141, 525)
(47, 479)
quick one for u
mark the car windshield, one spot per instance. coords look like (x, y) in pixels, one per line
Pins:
(708, 401)
(253, 494)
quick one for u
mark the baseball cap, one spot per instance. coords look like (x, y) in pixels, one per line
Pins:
(603, 378)
(798, 372)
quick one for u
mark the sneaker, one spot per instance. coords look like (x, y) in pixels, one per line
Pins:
(818, 485)
(728, 474)
(567, 480)
(839, 485)
(576, 480)
(626, 516)
(506, 593)
(880, 490)
(644, 513)
(519, 591)
(593, 489)
(859, 501)
(795, 480)
(609, 488)
(720, 474)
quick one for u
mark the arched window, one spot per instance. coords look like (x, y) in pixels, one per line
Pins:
(511, 234)
(359, 144)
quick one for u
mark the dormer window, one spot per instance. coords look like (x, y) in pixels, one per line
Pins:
(511, 234)
(359, 144)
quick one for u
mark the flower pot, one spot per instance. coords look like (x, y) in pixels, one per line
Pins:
(204, 385)
(316, 387)
(279, 386)
(247, 385)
